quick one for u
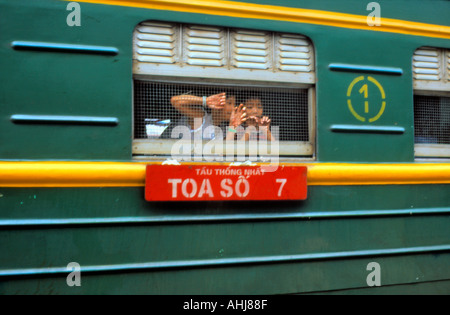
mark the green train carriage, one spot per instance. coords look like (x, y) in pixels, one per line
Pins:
(85, 101)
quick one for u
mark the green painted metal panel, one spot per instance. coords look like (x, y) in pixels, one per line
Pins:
(406, 10)
(282, 279)
(67, 203)
(115, 231)
(68, 83)
(201, 248)
(84, 84)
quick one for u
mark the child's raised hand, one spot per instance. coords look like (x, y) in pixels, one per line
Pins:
(238, 116)
(264, 122)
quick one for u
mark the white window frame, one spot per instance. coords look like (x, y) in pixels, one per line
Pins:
(169, 71)
(289, 150)
(438, 86)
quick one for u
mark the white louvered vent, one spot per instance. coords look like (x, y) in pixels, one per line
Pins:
(251, 50)
(169, 49)
(431, 69)
(205, 46)
(426, 64)
(295, 53)
(156, 43)
(448, 65)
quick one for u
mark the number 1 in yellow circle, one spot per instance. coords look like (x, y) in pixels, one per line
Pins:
(365, 90)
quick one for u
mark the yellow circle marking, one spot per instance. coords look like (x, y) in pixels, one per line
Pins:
(349, 91)
(349, 102)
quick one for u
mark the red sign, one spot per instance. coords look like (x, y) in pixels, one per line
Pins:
(220, 182)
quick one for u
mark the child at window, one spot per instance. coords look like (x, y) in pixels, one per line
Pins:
(258, 126)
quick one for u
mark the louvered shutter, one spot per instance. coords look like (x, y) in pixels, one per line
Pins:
(205, 46)
(155, 43)
(448, 65)
(431, 69)
(251, 50)
(426, 64)
(295, 53)
(169, 49)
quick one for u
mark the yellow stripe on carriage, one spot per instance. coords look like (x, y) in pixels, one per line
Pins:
(132, 174)
(378, 174)
(71, 174)
(287, 14)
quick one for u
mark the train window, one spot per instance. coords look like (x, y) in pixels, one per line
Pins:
(271, 74)
(431, 73)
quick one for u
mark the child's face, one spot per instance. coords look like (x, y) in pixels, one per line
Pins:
(230, 103)
(254, 107)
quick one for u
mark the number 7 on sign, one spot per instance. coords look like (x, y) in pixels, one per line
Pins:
(281, 181)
